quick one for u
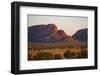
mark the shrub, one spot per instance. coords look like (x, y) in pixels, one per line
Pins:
(69, 55)
(84, 53)
(57, 56)
(30, 57)
(44, 56)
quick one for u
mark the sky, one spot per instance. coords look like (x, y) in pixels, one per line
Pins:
(70, 24)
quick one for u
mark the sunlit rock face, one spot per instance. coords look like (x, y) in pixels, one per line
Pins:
(47, 34)
(41, 33)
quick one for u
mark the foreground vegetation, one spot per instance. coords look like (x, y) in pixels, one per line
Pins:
(47, 52)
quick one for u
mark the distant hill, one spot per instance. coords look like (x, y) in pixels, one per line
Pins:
(49, 34)
(81, 35)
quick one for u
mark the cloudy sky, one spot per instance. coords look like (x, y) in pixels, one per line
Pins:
(69, 24)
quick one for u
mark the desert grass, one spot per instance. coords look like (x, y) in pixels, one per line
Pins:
(56, 51)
